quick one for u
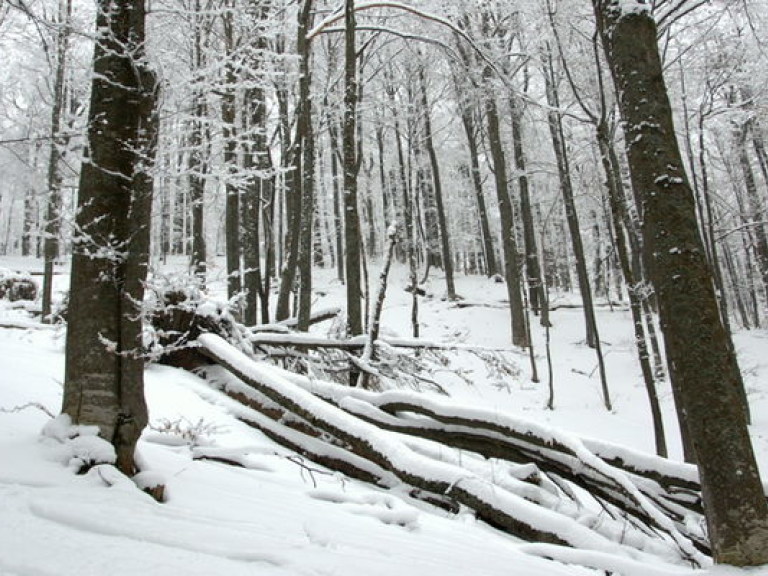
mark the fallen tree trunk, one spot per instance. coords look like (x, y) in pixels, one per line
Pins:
(268, 337)
(651, 482)
(315, 318)
(540, 513)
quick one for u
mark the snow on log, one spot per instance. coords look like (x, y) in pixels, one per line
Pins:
(645, 486)
(316, 317)
(500, 504)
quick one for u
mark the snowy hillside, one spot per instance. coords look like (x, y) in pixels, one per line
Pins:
(278, 513)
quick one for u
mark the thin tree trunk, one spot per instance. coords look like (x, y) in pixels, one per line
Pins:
(53, 212)
(756, 213)
(615, 196)
(447, 257)
(232, 205)
(337, 202)
(566, 187)
(491, 269)
(532, 267)
(289, 254)
(506, 213)
(572, 217)
(410, 239)
(350, 169)
(305, 169)
(256, 157)
(198, 158)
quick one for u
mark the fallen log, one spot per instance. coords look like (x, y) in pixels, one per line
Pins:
(315, 318)
(309, 341)
(675, 493)
(506, 505)
(677, 476)
(22, 324)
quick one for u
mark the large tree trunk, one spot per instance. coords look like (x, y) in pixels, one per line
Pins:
(104, 383)
(737, 515)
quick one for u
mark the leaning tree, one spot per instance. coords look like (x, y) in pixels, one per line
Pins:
(707, 383)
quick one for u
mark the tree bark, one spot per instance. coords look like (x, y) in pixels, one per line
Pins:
(232, 204)
(491, 269)
(304, 173)
(736, 511)
(53, 212)
(532, 266)
(104, 367)
(447, 257)
(506, 213)
(198, 159)
(350, 166)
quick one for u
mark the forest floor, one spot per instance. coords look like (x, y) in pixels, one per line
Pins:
(284, 515)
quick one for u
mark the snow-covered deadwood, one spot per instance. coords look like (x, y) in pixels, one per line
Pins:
(534, 482)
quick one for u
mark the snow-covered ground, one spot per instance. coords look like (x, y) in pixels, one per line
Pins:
(284, 515)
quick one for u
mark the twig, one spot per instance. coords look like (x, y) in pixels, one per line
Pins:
(22, 407)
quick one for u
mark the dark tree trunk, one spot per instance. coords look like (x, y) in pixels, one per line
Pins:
(571, 215)
(634, 286)
(532, 266)
(506, 213)
(256, 157)
(53, 212)
(198, 159)
(198, 168)
(491, 269)
(289, 254)
(305, 169)
(104, 373)
(350, 167)
(232, 214)
(696, 342)
(338, 221)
